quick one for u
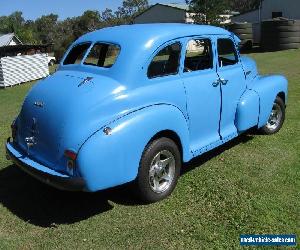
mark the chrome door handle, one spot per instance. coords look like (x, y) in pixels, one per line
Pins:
(223, 81)
(216, 83)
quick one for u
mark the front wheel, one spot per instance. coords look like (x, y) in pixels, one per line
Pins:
(276, 118)
(159, 170)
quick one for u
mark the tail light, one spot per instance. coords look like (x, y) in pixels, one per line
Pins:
(71, 156)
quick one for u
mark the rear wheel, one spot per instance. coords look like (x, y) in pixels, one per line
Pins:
(159, 170)
(276, 118)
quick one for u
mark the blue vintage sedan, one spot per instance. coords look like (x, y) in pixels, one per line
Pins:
(131, 103)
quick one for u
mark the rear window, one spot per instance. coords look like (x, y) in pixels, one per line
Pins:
(77, 53)
(103, 55)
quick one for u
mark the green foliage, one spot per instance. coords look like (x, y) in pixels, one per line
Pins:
(15, 23)
(208, 11)
(129, 9)
(244, 5)
(46, 27)
(49, 29)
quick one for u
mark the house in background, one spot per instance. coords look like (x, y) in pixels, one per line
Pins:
(164, 13)
(9, 40)
(171, 13)
(271, 9)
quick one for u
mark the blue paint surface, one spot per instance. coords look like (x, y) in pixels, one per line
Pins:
(135, 108)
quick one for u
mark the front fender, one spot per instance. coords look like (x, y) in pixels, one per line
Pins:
(268, 87)
(109, 160)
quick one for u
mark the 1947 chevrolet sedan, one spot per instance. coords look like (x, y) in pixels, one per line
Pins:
(131, 103)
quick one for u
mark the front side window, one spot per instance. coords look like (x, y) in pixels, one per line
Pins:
(227, 53)
(77, 53)
(102, 55)
(198, 55)
(166, 62)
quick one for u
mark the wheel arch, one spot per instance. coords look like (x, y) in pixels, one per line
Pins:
(282, 96)
(172, 135)
(107, 160)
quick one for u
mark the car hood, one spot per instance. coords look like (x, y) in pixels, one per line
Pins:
(62, 111)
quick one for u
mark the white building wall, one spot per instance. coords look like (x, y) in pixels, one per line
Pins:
(161, 14)
(289, 8)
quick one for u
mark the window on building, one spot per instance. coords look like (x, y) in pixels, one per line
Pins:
(102, 55)
(198, 55)
(276, 14)
(77, 53)
(166, 62)
(226, 52)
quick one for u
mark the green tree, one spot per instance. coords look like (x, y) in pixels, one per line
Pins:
(208, 11)
(89, 21)
(244, 5)
(129, 9)
(27, 33)
(46, 27)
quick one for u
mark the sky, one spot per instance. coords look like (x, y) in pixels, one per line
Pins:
(64, 8)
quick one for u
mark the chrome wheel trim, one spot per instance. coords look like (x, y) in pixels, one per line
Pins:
(162, 171)
(275, 117)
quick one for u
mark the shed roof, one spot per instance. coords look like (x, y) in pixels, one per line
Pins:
(7, 38)
(183, 7)
(177, 6)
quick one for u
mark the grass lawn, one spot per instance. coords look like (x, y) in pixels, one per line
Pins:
(250, 185)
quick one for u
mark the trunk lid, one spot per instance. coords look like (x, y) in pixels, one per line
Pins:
(55, 114)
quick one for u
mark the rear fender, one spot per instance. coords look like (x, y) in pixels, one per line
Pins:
(108, 160)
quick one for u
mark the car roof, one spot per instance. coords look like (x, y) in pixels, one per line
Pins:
(157, 33)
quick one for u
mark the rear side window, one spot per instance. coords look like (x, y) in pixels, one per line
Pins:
(227, 53)
(198, 55)
(103, 55)
(166, 62)
(77, 53)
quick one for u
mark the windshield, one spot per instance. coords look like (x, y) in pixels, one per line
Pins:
(101, 55)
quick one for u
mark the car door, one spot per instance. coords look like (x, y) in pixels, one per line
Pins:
(232, 82)
(203, 94)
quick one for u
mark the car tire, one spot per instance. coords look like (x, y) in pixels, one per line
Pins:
(159, 170)
(276, 118)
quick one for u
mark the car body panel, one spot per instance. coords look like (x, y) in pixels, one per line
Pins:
(113, 159)
(268, 87)
(74, 108)
(247, 113)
